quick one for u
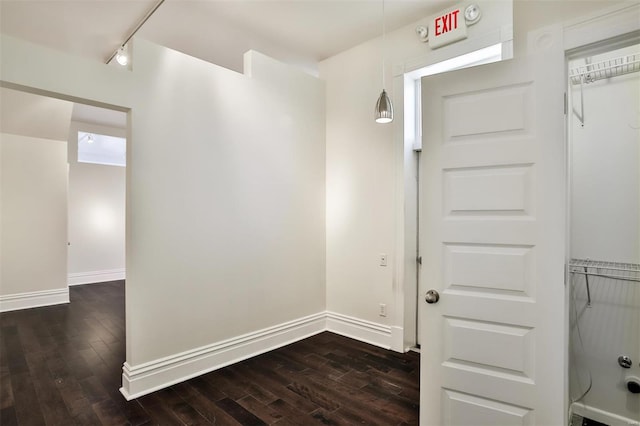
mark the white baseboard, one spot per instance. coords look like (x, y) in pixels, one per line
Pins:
(93, 277)
(365, 331)
(602, 416)
(145, 378)
(34, 299)
(397, 340)
(139, 380)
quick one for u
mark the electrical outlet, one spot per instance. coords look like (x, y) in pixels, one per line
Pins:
(383, 259)
(383, 310)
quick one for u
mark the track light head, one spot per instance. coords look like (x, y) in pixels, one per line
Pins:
(122, 57)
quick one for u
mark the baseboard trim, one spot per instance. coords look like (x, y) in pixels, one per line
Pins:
(359, 329)
(142, 379)
(397, 340)
(148, 377)
(94, 277)
(34, 299)
(601, 416)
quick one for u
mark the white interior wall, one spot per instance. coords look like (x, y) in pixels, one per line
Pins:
(363, 165)
(225, 201)
(605, 210)
(365, 208)
(605, 169)
(36, 116)
(33, 199)
(96, 213)
(360, 185)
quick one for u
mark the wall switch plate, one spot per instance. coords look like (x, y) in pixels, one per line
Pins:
(383, 310)
(383, 259)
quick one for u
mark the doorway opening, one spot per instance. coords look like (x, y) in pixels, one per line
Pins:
(603, 259)
(412, 150)
(51, 201)
(97, 194)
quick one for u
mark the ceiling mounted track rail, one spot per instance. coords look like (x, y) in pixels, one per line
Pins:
(135, 30)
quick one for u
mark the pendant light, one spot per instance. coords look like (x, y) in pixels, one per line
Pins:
(384, 107)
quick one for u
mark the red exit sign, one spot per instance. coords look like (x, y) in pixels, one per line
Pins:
(447, 22)
(447, 27)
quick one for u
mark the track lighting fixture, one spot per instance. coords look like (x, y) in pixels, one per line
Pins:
(122, 57)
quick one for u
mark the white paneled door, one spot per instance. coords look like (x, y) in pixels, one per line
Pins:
(492, 241)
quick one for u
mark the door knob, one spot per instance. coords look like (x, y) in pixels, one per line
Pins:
(432, 296)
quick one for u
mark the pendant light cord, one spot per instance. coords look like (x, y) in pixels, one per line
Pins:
(384, 39)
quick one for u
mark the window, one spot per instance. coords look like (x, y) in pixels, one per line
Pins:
(102, 149)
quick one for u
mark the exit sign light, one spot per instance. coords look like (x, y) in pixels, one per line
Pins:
(446, 28)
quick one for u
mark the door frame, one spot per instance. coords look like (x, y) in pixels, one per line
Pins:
(61, 82)
(597, 27)
(412, 148)
(603, 45)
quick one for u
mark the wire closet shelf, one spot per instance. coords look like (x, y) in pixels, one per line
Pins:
(605, 69)
(613, 270)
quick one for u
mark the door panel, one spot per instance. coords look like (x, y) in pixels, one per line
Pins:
(492, 240)
(483, 190)
(460, 408)
(508, 106)
(495, 347)
(471, 268)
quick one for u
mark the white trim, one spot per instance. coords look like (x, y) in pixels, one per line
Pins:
(601, 25)
(362, 330)
(601, 416)
(142, 379)
(397, 339)
(94, 277)
(148, 377)
(34, 299)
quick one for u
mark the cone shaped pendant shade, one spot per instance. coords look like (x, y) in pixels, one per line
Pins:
(384, 108)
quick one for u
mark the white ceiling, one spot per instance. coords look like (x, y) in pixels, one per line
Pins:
(300, 32)
(35, 116)
(43, 117)
(100, 116)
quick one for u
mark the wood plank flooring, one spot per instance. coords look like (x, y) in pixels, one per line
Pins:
(62, 365)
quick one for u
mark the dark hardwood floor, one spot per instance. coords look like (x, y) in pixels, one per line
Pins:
(62, 365)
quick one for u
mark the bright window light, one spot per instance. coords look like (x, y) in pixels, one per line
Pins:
(478, 57)
(102, 149)
(412, 86)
